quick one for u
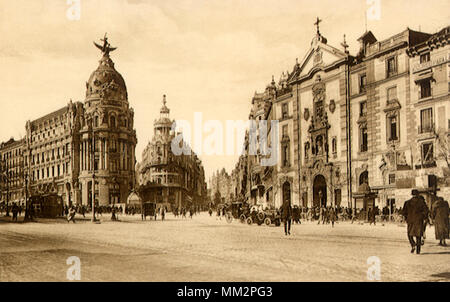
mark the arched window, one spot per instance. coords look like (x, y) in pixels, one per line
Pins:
(364, 178)
(112, 122)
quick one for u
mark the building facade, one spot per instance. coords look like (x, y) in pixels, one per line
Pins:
(12, 167)
(85, 150)
(355, 130)
(220, 182)
(166, 177)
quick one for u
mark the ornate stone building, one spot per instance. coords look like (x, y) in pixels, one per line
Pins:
(52, 142)
(107, 137)
(66, 151)
(166, 177)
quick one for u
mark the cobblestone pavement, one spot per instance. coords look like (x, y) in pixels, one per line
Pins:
(207, 249)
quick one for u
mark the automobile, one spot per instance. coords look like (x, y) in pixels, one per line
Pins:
(244, 212)
(255, 215)
(271, 216)
(236, 209)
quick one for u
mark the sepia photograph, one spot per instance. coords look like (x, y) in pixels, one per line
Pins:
(224, 142)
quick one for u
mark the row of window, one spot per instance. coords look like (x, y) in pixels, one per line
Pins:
(54, 171)
(50, 155)
(11, 154)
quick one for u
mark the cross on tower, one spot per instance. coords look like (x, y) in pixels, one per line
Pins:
(317, 24)
(345, 45)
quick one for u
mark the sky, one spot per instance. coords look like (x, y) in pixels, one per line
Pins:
(207, 56)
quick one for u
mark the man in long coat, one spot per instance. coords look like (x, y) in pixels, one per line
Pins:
(286, 216)
(439, 213)
(415, 212)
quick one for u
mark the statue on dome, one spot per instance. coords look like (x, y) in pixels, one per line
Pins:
(106, 47)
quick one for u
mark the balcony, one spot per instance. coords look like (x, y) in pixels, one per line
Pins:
(423, 129)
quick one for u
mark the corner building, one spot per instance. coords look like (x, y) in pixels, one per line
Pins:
(85, 151)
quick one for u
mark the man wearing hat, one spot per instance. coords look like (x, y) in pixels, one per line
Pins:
(415, 212)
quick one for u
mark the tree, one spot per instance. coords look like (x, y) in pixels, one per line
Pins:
(443, 146)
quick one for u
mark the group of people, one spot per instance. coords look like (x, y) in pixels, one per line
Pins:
(183, 211)
(415, 211)
(417, 216)
(15, 209)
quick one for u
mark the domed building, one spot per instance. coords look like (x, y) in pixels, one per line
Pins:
(85, 151)
(107, 137)
(166, 178)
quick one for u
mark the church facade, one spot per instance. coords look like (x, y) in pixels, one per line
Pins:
(355, 130)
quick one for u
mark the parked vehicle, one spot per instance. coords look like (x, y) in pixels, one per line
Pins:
(148, 209)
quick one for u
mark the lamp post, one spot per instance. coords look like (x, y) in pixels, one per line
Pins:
(113, 211)
(94, 220)
(27, 211)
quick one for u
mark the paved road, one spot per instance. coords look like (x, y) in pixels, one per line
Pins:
(207, 249)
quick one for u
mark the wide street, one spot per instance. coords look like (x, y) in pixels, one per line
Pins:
(207, 249)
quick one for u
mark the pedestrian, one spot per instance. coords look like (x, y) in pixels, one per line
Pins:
(14, 210)
(415, 211)
(71, 215)
(439, 213)
(286, 216)
(372, 216)
(332, 215)
(162, 213)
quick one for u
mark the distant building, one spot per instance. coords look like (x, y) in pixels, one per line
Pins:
(220, 182)
(167, 178)
(12, 166)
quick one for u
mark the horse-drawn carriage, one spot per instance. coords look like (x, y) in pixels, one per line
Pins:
(148, 209)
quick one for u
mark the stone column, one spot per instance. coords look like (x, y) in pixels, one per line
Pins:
(103, 192)
(84, 193)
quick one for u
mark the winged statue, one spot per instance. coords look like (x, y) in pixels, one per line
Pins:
(106, 47)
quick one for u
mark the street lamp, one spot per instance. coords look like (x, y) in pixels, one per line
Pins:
(27, 210)
(113, 211)
(94, 220)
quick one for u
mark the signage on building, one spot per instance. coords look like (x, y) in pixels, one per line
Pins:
(431, 63)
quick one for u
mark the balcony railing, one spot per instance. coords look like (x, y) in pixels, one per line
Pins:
(426, 129)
